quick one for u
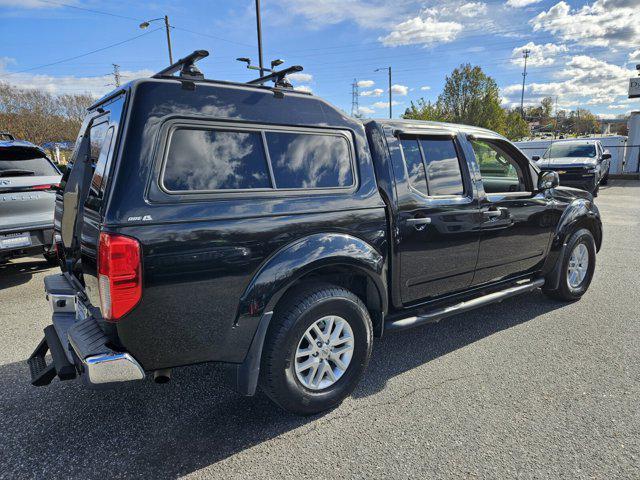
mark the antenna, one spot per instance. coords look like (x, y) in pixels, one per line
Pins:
(355, 107)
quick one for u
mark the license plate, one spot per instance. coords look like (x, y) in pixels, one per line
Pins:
(15, 240)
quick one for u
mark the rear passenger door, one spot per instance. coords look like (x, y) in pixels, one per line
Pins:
(438, 224)
(517, 220)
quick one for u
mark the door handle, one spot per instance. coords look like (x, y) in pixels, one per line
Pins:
(492, 213)
(419, 221)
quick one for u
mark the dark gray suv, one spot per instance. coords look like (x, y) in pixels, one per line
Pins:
(28, 180)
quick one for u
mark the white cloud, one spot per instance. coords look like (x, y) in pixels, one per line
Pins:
(384, 104)
(400, 89)
(366, 83)
(303, 88)
(521, 3)
(543, 54)
(96, 86)
(366, 111)
(604, 23)
(376, 92)
(29, 4)
(472, 9)
(300, 77)
(511, 89)
(365, 13)
(620, 106)
(424, 88)
(635, 56)
(422, 30)
(584, 80)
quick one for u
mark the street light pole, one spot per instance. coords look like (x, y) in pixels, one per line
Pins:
(167, 27)
(259, 26)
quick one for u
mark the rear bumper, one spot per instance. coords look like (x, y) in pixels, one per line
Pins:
(41, 236)
(78, 346)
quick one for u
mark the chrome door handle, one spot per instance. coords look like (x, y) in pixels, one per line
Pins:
(419, 221)
(492, 213)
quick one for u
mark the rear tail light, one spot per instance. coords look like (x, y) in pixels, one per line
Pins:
(47, 186)
(119, 275)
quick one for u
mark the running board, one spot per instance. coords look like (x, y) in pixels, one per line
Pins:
(440, 313)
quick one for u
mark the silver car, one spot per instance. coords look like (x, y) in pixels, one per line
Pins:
(28, 181)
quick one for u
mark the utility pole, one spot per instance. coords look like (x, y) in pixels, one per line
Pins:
(555, 130)
(390, 96)
(167, 27)
(525, 53)
(259, 25)
(355, 107)
(116, 74)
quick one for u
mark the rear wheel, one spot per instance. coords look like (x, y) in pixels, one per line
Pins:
(578, 265)
(316, 349)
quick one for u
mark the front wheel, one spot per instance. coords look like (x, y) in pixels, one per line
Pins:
(316, 349)
(577, 267)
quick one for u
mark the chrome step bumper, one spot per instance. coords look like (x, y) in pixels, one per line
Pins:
(78, 345)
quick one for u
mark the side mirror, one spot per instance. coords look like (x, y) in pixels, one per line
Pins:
(535, 158)
(606, 156)
(548, 180)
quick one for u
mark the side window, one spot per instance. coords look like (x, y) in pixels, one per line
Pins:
(96, 136)
(301, 160)
(444, 176)
(199, 159)
(97, 182)
(500, 172)
(414, 164)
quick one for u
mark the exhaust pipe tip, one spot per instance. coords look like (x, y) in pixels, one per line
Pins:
(162, 376)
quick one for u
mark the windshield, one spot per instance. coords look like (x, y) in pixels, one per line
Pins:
(562, 150)
(29, 167)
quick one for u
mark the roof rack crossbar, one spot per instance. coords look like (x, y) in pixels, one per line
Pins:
(277, 77)
(186, 66)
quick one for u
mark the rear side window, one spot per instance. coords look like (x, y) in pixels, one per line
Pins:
(433, 166)
(302, 160)
(215, 160)
(415, 165)
(97, 182)
(443, 168)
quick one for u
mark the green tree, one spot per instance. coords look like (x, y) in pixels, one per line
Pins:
(469, 96)
(517, 128)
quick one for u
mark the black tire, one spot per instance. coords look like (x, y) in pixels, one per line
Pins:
(304, 307)
(565, 291)
(596, 191)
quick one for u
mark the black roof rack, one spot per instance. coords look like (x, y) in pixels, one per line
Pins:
(278, 77)
(189, 71)
(186, 65)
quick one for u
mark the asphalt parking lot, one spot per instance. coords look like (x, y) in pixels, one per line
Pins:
(529, 388)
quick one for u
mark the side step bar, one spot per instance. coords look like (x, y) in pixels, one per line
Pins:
(440, 313)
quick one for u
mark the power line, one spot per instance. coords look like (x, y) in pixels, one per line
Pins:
(82, 55)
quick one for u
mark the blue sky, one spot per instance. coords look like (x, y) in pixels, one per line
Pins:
(583, 52)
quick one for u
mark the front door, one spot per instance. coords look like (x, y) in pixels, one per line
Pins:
(438, 229)
(517, 221)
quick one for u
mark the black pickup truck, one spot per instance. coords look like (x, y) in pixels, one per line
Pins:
(262, 228)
